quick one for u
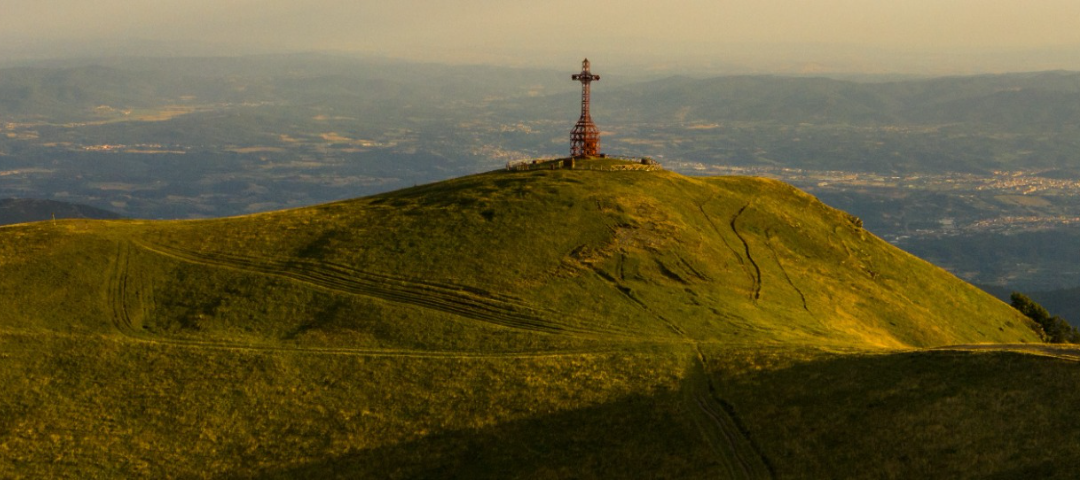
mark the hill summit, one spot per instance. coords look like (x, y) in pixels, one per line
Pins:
(544, 323)
(504, 260)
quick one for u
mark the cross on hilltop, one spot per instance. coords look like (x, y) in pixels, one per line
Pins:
(585, 142)
(585, 138)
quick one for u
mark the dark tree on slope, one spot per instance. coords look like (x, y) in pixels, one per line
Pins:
(1055, 329)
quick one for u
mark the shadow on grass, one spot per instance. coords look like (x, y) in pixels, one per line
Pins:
(924, 414)
(637, 437)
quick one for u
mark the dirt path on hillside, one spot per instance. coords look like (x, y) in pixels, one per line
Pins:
(719, 427)
(754, 281)
(460, 300)
(129, 324)
(746, 247)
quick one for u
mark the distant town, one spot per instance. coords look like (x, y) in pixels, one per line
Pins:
(1023, 190)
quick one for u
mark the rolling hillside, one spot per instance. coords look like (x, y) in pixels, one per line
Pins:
(544, 324)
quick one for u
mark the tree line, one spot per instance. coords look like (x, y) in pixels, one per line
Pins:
(1054, 329)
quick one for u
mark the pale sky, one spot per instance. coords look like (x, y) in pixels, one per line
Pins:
(803, 31)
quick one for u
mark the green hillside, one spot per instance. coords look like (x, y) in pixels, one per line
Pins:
(545, 324)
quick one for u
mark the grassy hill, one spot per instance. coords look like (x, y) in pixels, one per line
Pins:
(545, 324)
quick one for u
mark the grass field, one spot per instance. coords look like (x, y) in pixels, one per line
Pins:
(540, 324)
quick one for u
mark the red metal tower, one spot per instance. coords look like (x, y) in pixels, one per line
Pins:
(585, 138)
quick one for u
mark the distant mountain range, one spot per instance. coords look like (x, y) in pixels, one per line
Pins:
(22, 210)
(1023, 100)
(1020, 100)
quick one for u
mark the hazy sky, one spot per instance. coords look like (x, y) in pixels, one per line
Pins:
(861, 33)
